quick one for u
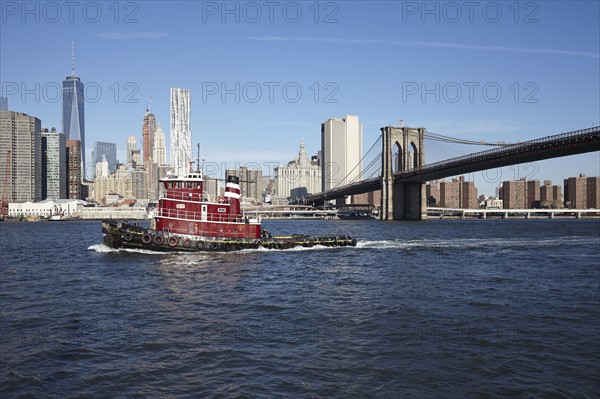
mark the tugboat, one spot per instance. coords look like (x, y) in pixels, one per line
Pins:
(188, 220)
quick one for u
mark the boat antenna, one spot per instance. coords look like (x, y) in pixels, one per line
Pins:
(198, 159)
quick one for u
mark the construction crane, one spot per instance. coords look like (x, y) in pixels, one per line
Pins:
(6, 177)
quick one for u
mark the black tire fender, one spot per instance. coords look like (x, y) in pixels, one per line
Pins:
(172, 241)
(146, 238)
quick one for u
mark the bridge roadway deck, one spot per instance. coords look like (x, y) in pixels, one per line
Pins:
(576, 142)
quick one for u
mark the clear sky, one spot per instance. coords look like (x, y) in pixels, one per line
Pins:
(264, 75)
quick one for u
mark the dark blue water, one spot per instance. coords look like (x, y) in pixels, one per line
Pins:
(438, 309)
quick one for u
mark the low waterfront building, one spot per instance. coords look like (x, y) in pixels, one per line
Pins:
(493, 203)
(278, 200)
(67, 208)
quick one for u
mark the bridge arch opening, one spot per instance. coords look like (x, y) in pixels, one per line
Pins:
(397, 158)
(413, 156)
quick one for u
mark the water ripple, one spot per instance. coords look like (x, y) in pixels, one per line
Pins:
(487, 309)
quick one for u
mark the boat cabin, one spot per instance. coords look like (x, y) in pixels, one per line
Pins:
(184, 208)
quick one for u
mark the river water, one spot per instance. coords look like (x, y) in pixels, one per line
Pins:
(436, 309)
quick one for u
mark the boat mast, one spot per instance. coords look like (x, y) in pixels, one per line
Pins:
(198, 159)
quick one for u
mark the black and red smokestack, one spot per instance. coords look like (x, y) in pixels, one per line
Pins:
(232, 193)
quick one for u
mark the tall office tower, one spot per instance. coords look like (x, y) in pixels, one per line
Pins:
(181, 134)
(21, 134)
(74, 170)
(341, 150)
(148, 130)
(3, 103)
(160, 149)
(131, 147)
(54, 164)
(73, 120)
(108, 150)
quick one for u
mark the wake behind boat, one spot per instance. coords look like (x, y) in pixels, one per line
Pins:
(187, 219)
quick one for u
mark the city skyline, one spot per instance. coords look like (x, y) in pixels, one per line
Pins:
(538, 70)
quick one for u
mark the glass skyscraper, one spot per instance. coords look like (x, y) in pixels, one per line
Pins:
(54, 164)
(73, 122)
(107, 149)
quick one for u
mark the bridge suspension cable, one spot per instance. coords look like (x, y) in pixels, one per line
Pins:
(359, 162)
(447, 139)
(376, 159)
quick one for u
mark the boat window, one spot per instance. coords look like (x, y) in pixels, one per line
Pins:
(176, 184)
(190, 184)
(197, 184)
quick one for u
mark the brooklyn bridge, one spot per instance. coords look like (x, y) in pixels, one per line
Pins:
(403, 172)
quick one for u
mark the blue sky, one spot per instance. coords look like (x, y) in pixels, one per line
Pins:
(489, 71)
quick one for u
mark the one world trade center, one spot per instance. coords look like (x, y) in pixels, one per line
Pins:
(73, 122)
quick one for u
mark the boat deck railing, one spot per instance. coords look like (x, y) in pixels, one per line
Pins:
(201, 217)
(179, 195)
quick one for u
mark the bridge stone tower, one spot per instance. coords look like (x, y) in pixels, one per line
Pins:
(402, 151)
